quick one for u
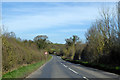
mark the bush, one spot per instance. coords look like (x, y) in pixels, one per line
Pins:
(18, 53)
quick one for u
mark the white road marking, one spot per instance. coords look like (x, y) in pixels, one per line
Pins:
(64, 65)
(85, 78)
(73, 70)
(70, 69)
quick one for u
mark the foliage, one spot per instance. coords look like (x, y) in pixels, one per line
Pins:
(103, 40)
(41, 41)
(113, 69)
(72, 50)
(24, 70)
(56, 49)
(17, 53)
(102, 46)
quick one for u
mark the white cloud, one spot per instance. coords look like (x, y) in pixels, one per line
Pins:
(73, 30)
(51, 17)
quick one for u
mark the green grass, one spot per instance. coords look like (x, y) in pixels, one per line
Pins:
(25, 70)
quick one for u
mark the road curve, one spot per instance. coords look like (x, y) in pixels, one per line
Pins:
(58, 68)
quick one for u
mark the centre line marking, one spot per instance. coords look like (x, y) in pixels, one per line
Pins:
(72, 70)
(64, 65)
(85, 78)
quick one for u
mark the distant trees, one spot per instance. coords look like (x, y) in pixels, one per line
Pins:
(78, 49)
(41, 41)
(9, 35)
(70, 50)
(54, 48)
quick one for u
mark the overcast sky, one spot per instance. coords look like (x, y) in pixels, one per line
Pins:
(56, 20)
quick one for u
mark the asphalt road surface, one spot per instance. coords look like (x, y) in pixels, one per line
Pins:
(58, 68)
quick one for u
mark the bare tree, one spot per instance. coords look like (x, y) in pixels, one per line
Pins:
(103, 37)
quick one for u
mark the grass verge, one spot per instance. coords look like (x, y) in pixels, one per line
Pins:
(104, 67)
(24, 71)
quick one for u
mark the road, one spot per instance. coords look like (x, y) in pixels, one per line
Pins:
(58, 68)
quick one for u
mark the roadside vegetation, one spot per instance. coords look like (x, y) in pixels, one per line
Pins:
(24, 71)
(102, 47)
(21, 57)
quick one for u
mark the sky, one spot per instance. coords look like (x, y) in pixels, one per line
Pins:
(57, 20)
